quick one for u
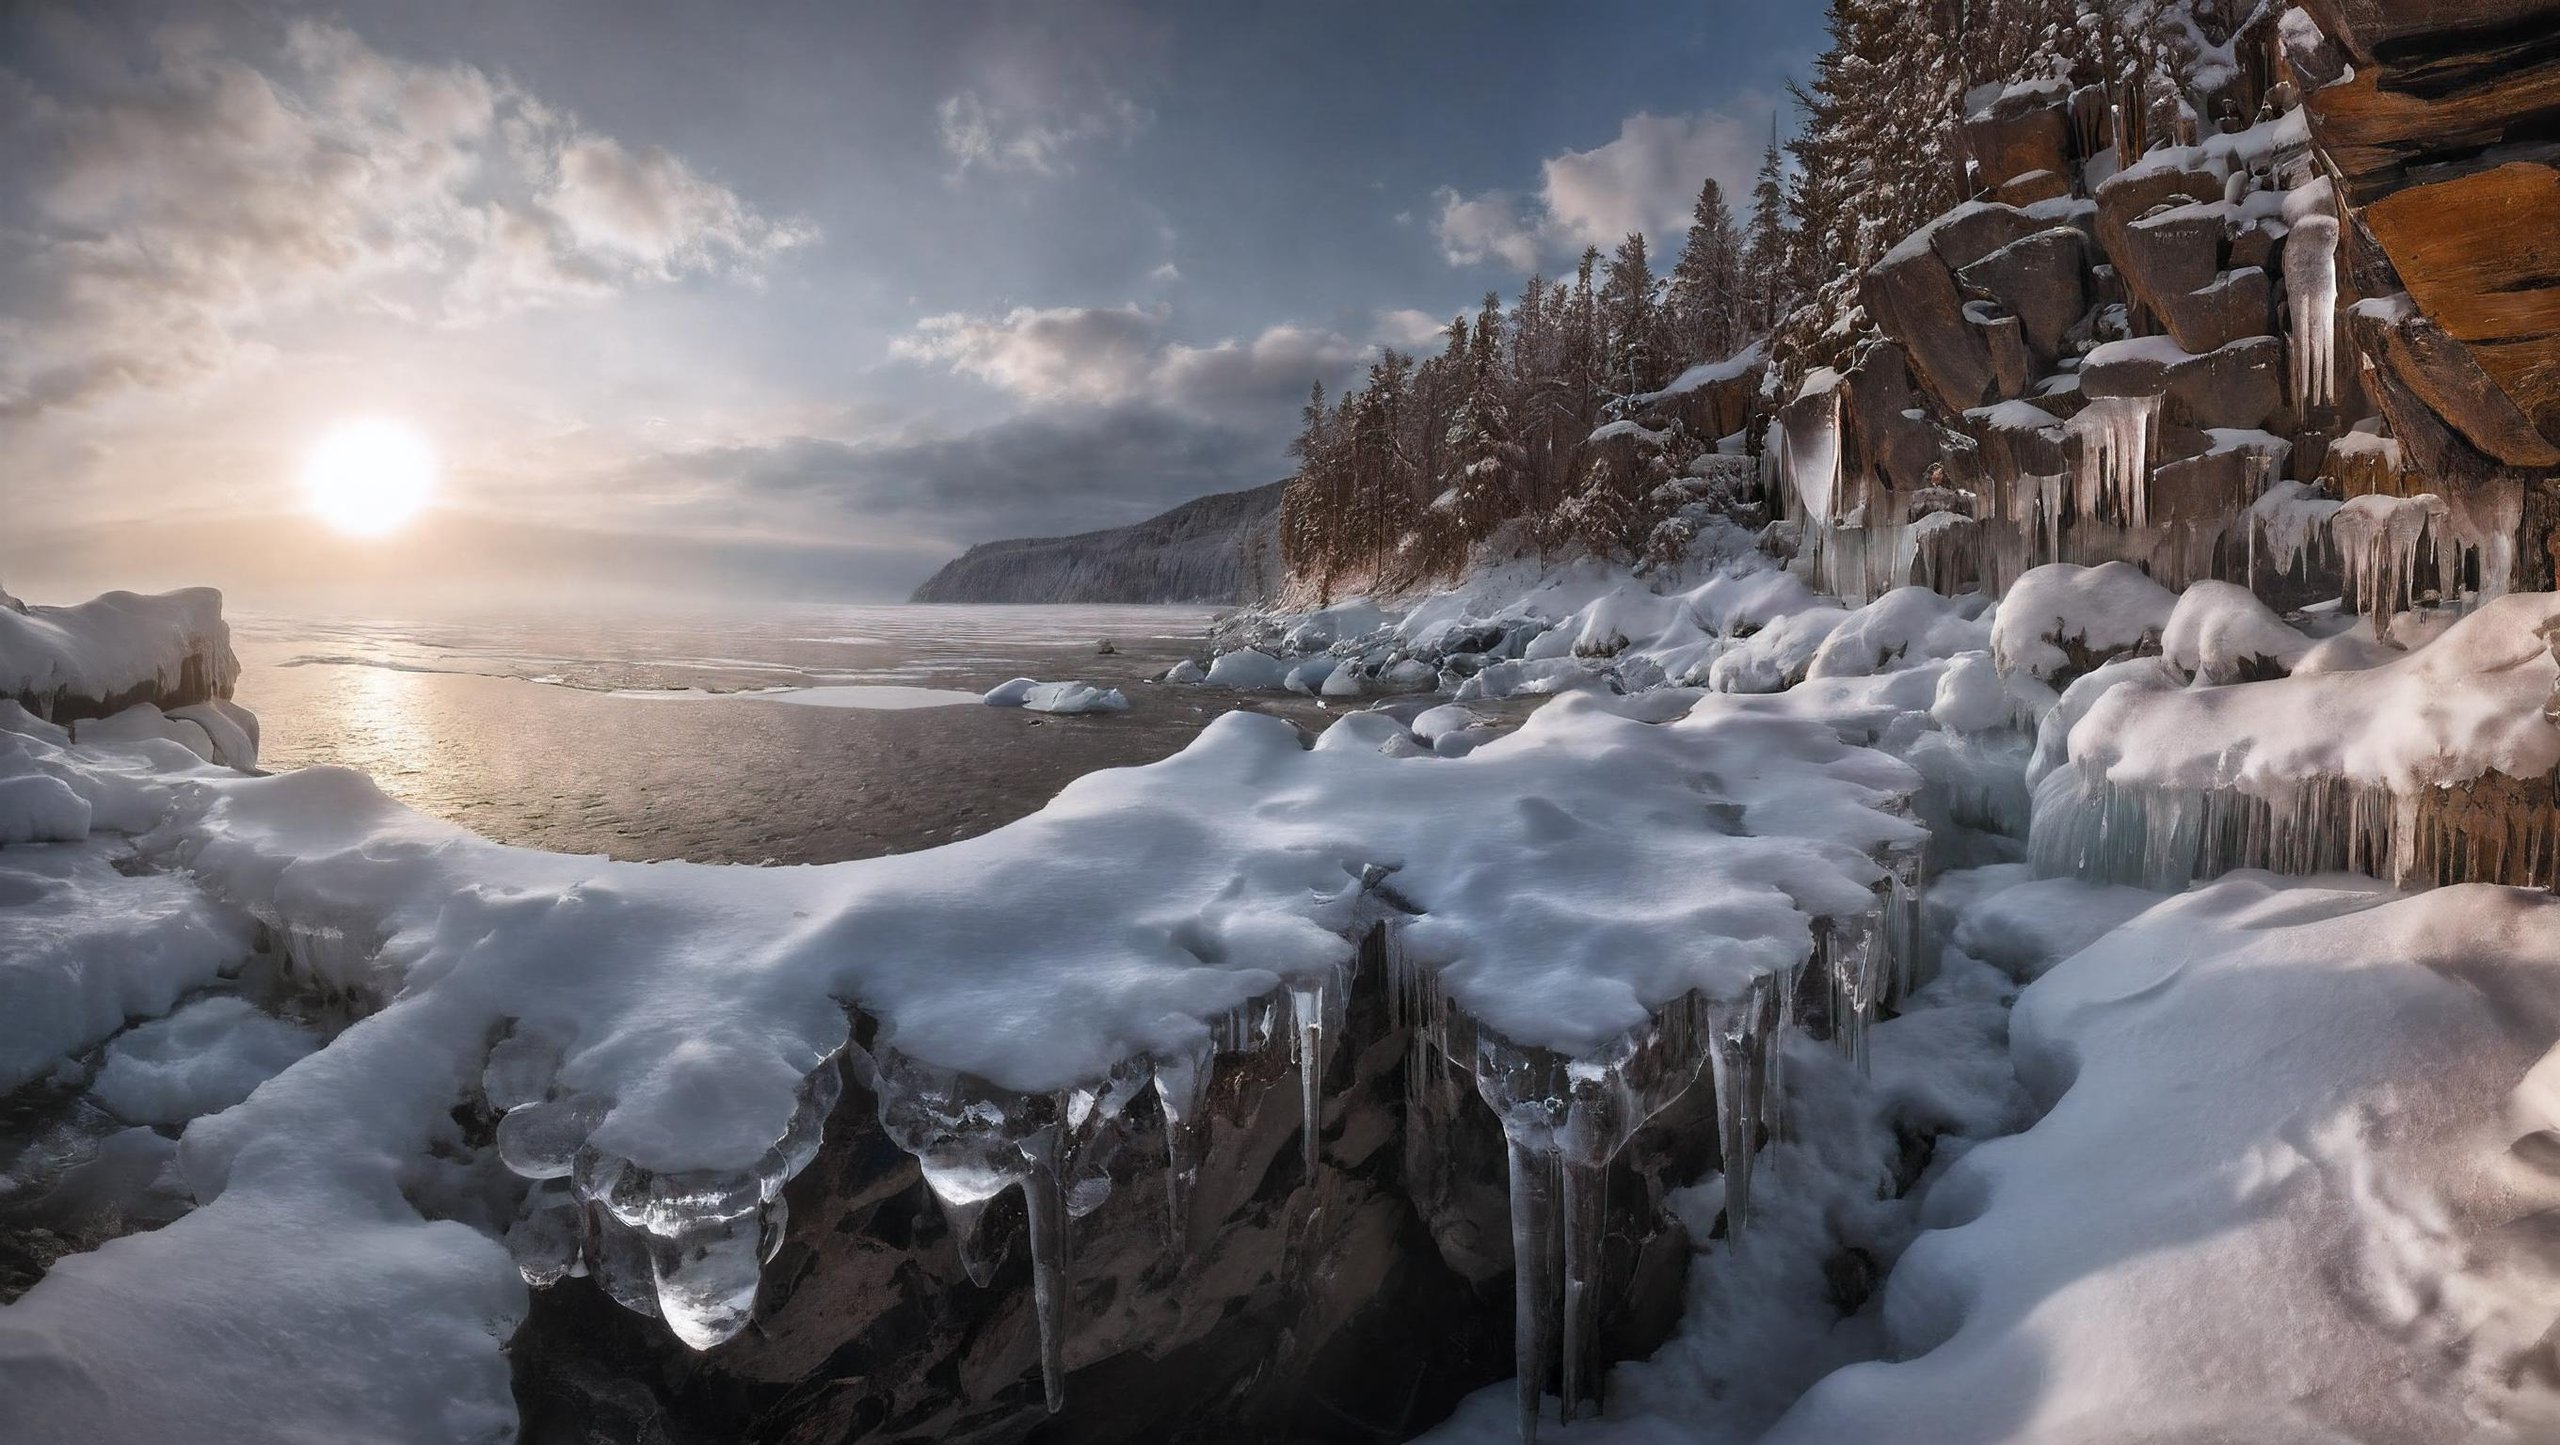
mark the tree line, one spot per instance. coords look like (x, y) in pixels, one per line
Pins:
(1405, 476)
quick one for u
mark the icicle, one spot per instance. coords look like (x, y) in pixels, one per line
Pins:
(1182, 1090)
(1811, 461)
(1531, 1108)
(1745, 1062)
(2114, 477)
(2311, 293)
(1044, 1203)
(1307, 1018)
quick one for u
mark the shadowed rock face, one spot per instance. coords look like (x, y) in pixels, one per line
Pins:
(1361, 1304)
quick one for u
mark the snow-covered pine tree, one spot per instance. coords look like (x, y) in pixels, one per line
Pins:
(1631, 321)
(1703, 306)
(1768, 260)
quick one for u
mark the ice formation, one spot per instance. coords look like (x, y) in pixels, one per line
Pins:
(2169, 783)
(2113, 480)
(2311, 293)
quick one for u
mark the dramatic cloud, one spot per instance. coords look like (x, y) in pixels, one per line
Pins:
(1646, 180)
(1116, 354)
(175, 191)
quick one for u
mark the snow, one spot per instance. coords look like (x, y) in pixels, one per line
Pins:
(83, 948)
(2103, 610)
(1247, 669)
(2220, 632)
(140, 723)
(36, 808)
(114, 646)
(1708, 373)
(204, 1058)
(2468, 703)
(1073, 697)
(2273, 1196)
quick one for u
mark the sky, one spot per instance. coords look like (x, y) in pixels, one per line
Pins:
(771, 300)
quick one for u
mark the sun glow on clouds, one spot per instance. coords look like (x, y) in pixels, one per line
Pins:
(368, 478)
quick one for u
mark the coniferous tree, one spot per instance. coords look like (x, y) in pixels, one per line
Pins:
(1631, 334)
(1704, 313)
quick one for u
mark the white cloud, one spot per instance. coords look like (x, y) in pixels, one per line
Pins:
(1058, 353)
(1486, 227)
(1645, 180)
(1408, 328)
(218, 183)
(1108, 355)
(1036, 138)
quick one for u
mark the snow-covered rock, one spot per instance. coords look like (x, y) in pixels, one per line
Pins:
(1247, 669)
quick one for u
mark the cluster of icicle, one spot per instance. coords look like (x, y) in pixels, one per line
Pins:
(1565, 1119)
(2395, 552)
(2089, 826)
(2113, 480)
(689, 1247)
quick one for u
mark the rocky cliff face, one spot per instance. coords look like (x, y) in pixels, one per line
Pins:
(1221, 549)
(2121, 347)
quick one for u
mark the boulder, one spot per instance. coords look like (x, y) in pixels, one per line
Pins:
(2212, 486)
(2435, 36)
(2239, 386)
(2041, 279)
(1976, 229)
(2023, 132)
(2032, 188)
(1911, 294)
(2426, 367)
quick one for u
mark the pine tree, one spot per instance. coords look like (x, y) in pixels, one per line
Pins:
(1703, 308)
(1768, 265)
(1630, 322)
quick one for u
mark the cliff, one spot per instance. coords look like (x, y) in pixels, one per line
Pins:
(1222, 549)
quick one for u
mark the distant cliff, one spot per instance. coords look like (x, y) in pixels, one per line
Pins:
(1223, 548)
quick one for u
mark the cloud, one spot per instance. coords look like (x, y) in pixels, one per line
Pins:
(1059, 353)
(178, 190)
(1109, 355)
(1645, 180)
(1486, 227)
(1037, 139)
(1409, 329)
(1042, 472)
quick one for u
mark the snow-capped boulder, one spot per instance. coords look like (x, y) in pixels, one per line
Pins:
(1247, 669)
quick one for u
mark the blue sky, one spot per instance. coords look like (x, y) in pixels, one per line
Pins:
(786, 298)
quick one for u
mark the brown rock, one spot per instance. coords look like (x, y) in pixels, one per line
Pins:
(2021, 134)
(1970, 232)
(1912, 296)
(2211, 487)
(2480, 255)
(2031, 188)
(2041, 280)
(2425, 366)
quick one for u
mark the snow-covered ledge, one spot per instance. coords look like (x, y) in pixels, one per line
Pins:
(1586, 916)
(170, 652)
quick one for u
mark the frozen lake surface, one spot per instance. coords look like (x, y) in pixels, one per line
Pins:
(676, 735)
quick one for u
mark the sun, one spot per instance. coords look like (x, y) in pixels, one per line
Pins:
(368, 478)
